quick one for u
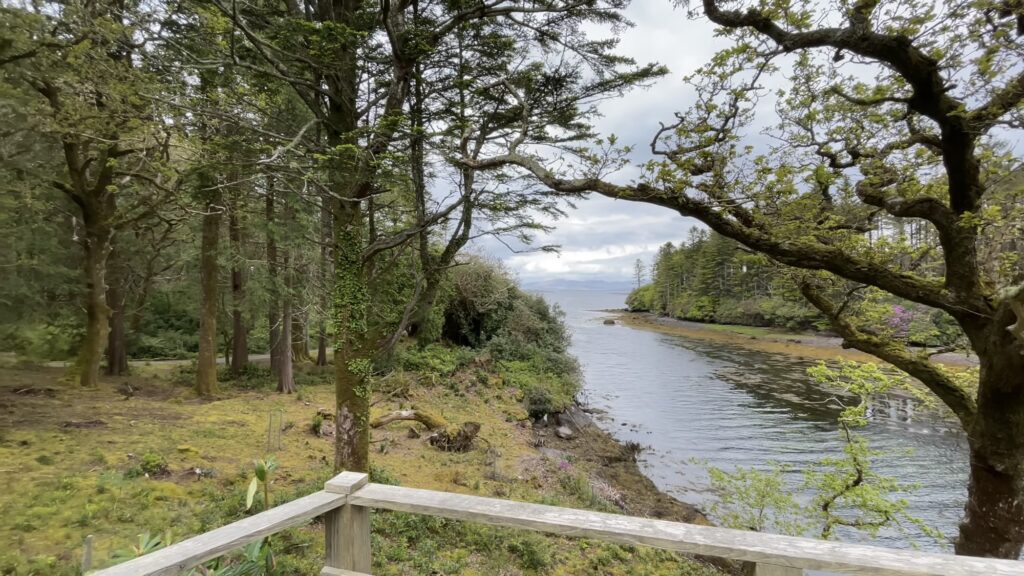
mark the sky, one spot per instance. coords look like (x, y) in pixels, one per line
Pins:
(602, 238)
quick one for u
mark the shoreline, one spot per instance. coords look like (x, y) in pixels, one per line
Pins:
(805, 345)
(615, 463)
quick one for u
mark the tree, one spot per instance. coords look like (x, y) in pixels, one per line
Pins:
(340, 43)
(893, 114)
(80, 64)
(639, 272)
(239, 331)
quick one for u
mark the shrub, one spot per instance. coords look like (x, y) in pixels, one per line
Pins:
(435, 359)
(532, 550)
(55, 340)
(643, 299)
(544, 391)
(165, 344)
(151, 464)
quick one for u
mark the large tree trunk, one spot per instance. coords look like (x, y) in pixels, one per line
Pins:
(993, 522)
(97, 249)
(321, 344)
(117, 345)
(285, 374)
(274, 304)
(351, 358)
(206, 368)
(420, 327)
(239, 339)
(299, 333)
(350, 297)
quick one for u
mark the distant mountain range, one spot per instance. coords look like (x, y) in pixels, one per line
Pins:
(559, 284)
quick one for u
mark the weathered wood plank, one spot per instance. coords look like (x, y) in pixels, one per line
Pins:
(346, 482)
(188, 553)
(339, 572)
(783, 551)
(347, 529)
(762, 569)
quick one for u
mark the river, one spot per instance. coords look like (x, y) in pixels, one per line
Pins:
(692, 400)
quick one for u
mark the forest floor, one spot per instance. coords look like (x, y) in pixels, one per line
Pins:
(804, 344)
(77, 462)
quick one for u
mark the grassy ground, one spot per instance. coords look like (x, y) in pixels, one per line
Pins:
(77, 462)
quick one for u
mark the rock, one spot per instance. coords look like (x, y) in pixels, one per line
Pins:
(563, 432)
(609, 322)
(201, 473)
(555, 454)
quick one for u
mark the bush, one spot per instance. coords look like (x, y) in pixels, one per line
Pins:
(165, 344)
(253, 377)
(643, 299)
(435, 359)
(56, 340)
(152, 464)
(544, 392)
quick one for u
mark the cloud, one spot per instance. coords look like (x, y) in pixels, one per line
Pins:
(603, 237)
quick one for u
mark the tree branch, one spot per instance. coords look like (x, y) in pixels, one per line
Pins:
(953, 396)
(806, 254)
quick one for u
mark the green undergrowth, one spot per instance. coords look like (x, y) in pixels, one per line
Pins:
(164, 463)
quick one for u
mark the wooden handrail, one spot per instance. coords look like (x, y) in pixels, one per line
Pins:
(347, 500)
(186, 554)
(784, 551)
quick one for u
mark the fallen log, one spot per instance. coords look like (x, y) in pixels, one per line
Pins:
(431, 421)
(444, 436)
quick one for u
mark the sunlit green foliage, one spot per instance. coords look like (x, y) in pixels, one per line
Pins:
(837, 491)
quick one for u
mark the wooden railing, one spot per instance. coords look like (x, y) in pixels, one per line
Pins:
(347, 499)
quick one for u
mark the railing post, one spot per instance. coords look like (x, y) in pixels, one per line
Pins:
(347, 528)
(762, 569)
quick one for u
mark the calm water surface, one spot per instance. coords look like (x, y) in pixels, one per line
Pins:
(731, 406)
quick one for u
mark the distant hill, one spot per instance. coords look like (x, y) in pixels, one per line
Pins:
(559, 284)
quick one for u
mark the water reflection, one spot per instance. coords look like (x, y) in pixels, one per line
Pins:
(732, 406)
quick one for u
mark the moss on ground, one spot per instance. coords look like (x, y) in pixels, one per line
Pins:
(76, 462)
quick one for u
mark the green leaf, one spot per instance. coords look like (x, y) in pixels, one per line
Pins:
(251, 493)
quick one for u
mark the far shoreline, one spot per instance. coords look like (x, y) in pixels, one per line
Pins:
(801, 344)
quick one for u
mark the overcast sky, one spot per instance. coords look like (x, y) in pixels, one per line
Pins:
(602, 238)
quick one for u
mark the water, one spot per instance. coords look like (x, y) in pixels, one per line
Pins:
(731, 406)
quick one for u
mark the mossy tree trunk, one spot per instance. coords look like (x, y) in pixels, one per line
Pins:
(209, 271)
(117, 345)
(97, 245)
(351, 359)
(993, 523)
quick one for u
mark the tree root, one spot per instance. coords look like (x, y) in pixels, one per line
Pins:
(454, 439)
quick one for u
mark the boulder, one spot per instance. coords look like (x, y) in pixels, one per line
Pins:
(564, 432)
(609, 322)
